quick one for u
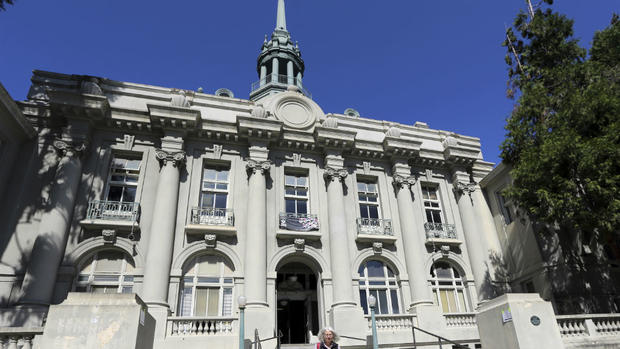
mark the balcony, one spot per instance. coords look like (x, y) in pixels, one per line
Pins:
(441, 233)
(211, 220)
(299, 225)
(279, 81)
(112, 214)
(375, 230)
(179, 326)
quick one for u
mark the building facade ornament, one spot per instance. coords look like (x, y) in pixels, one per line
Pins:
(210, 240)
(109, 236)
(377, 247)
(393, 132)
(179, 100)
(402, 182)
(465, 188)
(366, 165)
(177, 158)
(259, 111)
(297, 159)
(330, 122)
(333, 174)
(217, 151)
(255, 165)
(91, 86)
(445, 250)
(128, 141)
(69, 149)
(300, 245)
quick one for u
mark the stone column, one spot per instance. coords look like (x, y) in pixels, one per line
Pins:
(263, 74)
(346, 315)
(161, 239)
(477, 247)
(413, 242)
(49, 246)
(289, 73)
(299, 79)
(275, 69)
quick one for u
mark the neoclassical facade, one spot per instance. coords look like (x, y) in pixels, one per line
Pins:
(191, 200)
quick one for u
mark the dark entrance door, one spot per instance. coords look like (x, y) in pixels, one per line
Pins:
(292, 321)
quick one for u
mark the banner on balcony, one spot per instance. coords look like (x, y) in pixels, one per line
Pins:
(300, 223)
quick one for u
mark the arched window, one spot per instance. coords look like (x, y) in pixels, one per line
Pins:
(378, 279)
(449, 288)
(108, 271)
(207, 287)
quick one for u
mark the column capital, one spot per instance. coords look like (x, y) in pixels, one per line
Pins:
(256, 165)
(69, 148)
(465, 188)
(333, 174)
(177, 158)
(402, 182)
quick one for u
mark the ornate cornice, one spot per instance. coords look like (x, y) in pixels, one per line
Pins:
(177, 158)
(402, 182)
(254, 166)
(465, 188)
(333, 174)
(69, 149)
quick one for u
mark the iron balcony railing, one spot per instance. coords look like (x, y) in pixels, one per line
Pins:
(374, 226)
(299, 221)
(440, 230)
(113, 210)
(213, 216)
(280, 80)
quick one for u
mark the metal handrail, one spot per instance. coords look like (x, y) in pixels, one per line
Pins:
(440, 230)
(374, 226)
(113, 210)
(213, 216)
(257, 341)
(314, 219)
(440, 339)
(282, 80)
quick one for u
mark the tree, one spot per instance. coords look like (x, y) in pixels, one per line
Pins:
(563, 136)
(3, 2)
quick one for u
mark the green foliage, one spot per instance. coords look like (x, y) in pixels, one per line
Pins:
(563, 138)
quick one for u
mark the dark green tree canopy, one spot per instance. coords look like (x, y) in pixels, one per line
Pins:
(563, 138)
(3, 3)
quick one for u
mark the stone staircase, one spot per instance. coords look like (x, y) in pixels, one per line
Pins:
(297, 346)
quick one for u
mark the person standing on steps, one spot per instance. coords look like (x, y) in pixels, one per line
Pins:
(327, 339)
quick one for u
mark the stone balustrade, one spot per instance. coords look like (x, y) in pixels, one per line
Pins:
(589, 325)
(392, 322)
(200, 326)
(460, 320)
(18, 337)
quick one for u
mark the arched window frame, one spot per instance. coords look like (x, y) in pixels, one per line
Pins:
(89, 279)
(388, 283)
(450, 290)
(194, 284)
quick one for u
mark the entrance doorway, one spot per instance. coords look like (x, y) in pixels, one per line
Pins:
(298, 314)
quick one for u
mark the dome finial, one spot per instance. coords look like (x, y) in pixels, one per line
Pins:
(281, 22)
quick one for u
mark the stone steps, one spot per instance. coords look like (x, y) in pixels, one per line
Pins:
(297, 346)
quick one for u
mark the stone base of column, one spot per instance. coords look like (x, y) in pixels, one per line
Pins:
(263, 319)
(23, 316)
(348, 320)
(160, 313)
(429, 317)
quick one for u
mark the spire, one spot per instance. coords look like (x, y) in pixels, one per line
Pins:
(281, 22)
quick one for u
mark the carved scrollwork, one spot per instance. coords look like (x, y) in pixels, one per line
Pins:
(69, 149)
(465, 188)
(402, 182)
(255, 165)
(333, 174)
(176, 158)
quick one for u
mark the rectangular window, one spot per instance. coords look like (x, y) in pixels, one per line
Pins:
(432, 204)
(368, 195)
(123, 179)
(214, 191)
(505, 208)
(296, 193)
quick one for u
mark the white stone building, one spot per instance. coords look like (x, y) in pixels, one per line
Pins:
(191, 200)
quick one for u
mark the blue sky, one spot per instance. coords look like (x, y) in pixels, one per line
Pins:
(439, 62)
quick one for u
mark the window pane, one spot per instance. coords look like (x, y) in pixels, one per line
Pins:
(429, 216)
(383, 307)
(361, 187)
(290, 191)
(290, 205)
(302, 192)
(208, 185)
(363, 301)
(207, 200)
(222, 176)
(227, 302)
(289, 180)
(109, 261)
(452, 301)
(200, 304)
(302, 206)
(389, 271)
(220, 200)
(131, 179)
(186, 302)
(221, 186)
(443, 294)
(361, 270)
(462, 301)
(214, 301)
(130, 194)
(394, 298)
(373, 212)
(127, 289)
(301, 181)
(133, 165)
(115, 193)
(372, 187)
(436, 217)
(208, 266)
(371, 198)
(432, 194)
(375, 269)
(209, 174)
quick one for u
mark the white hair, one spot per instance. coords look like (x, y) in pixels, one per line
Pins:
(322, 334)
